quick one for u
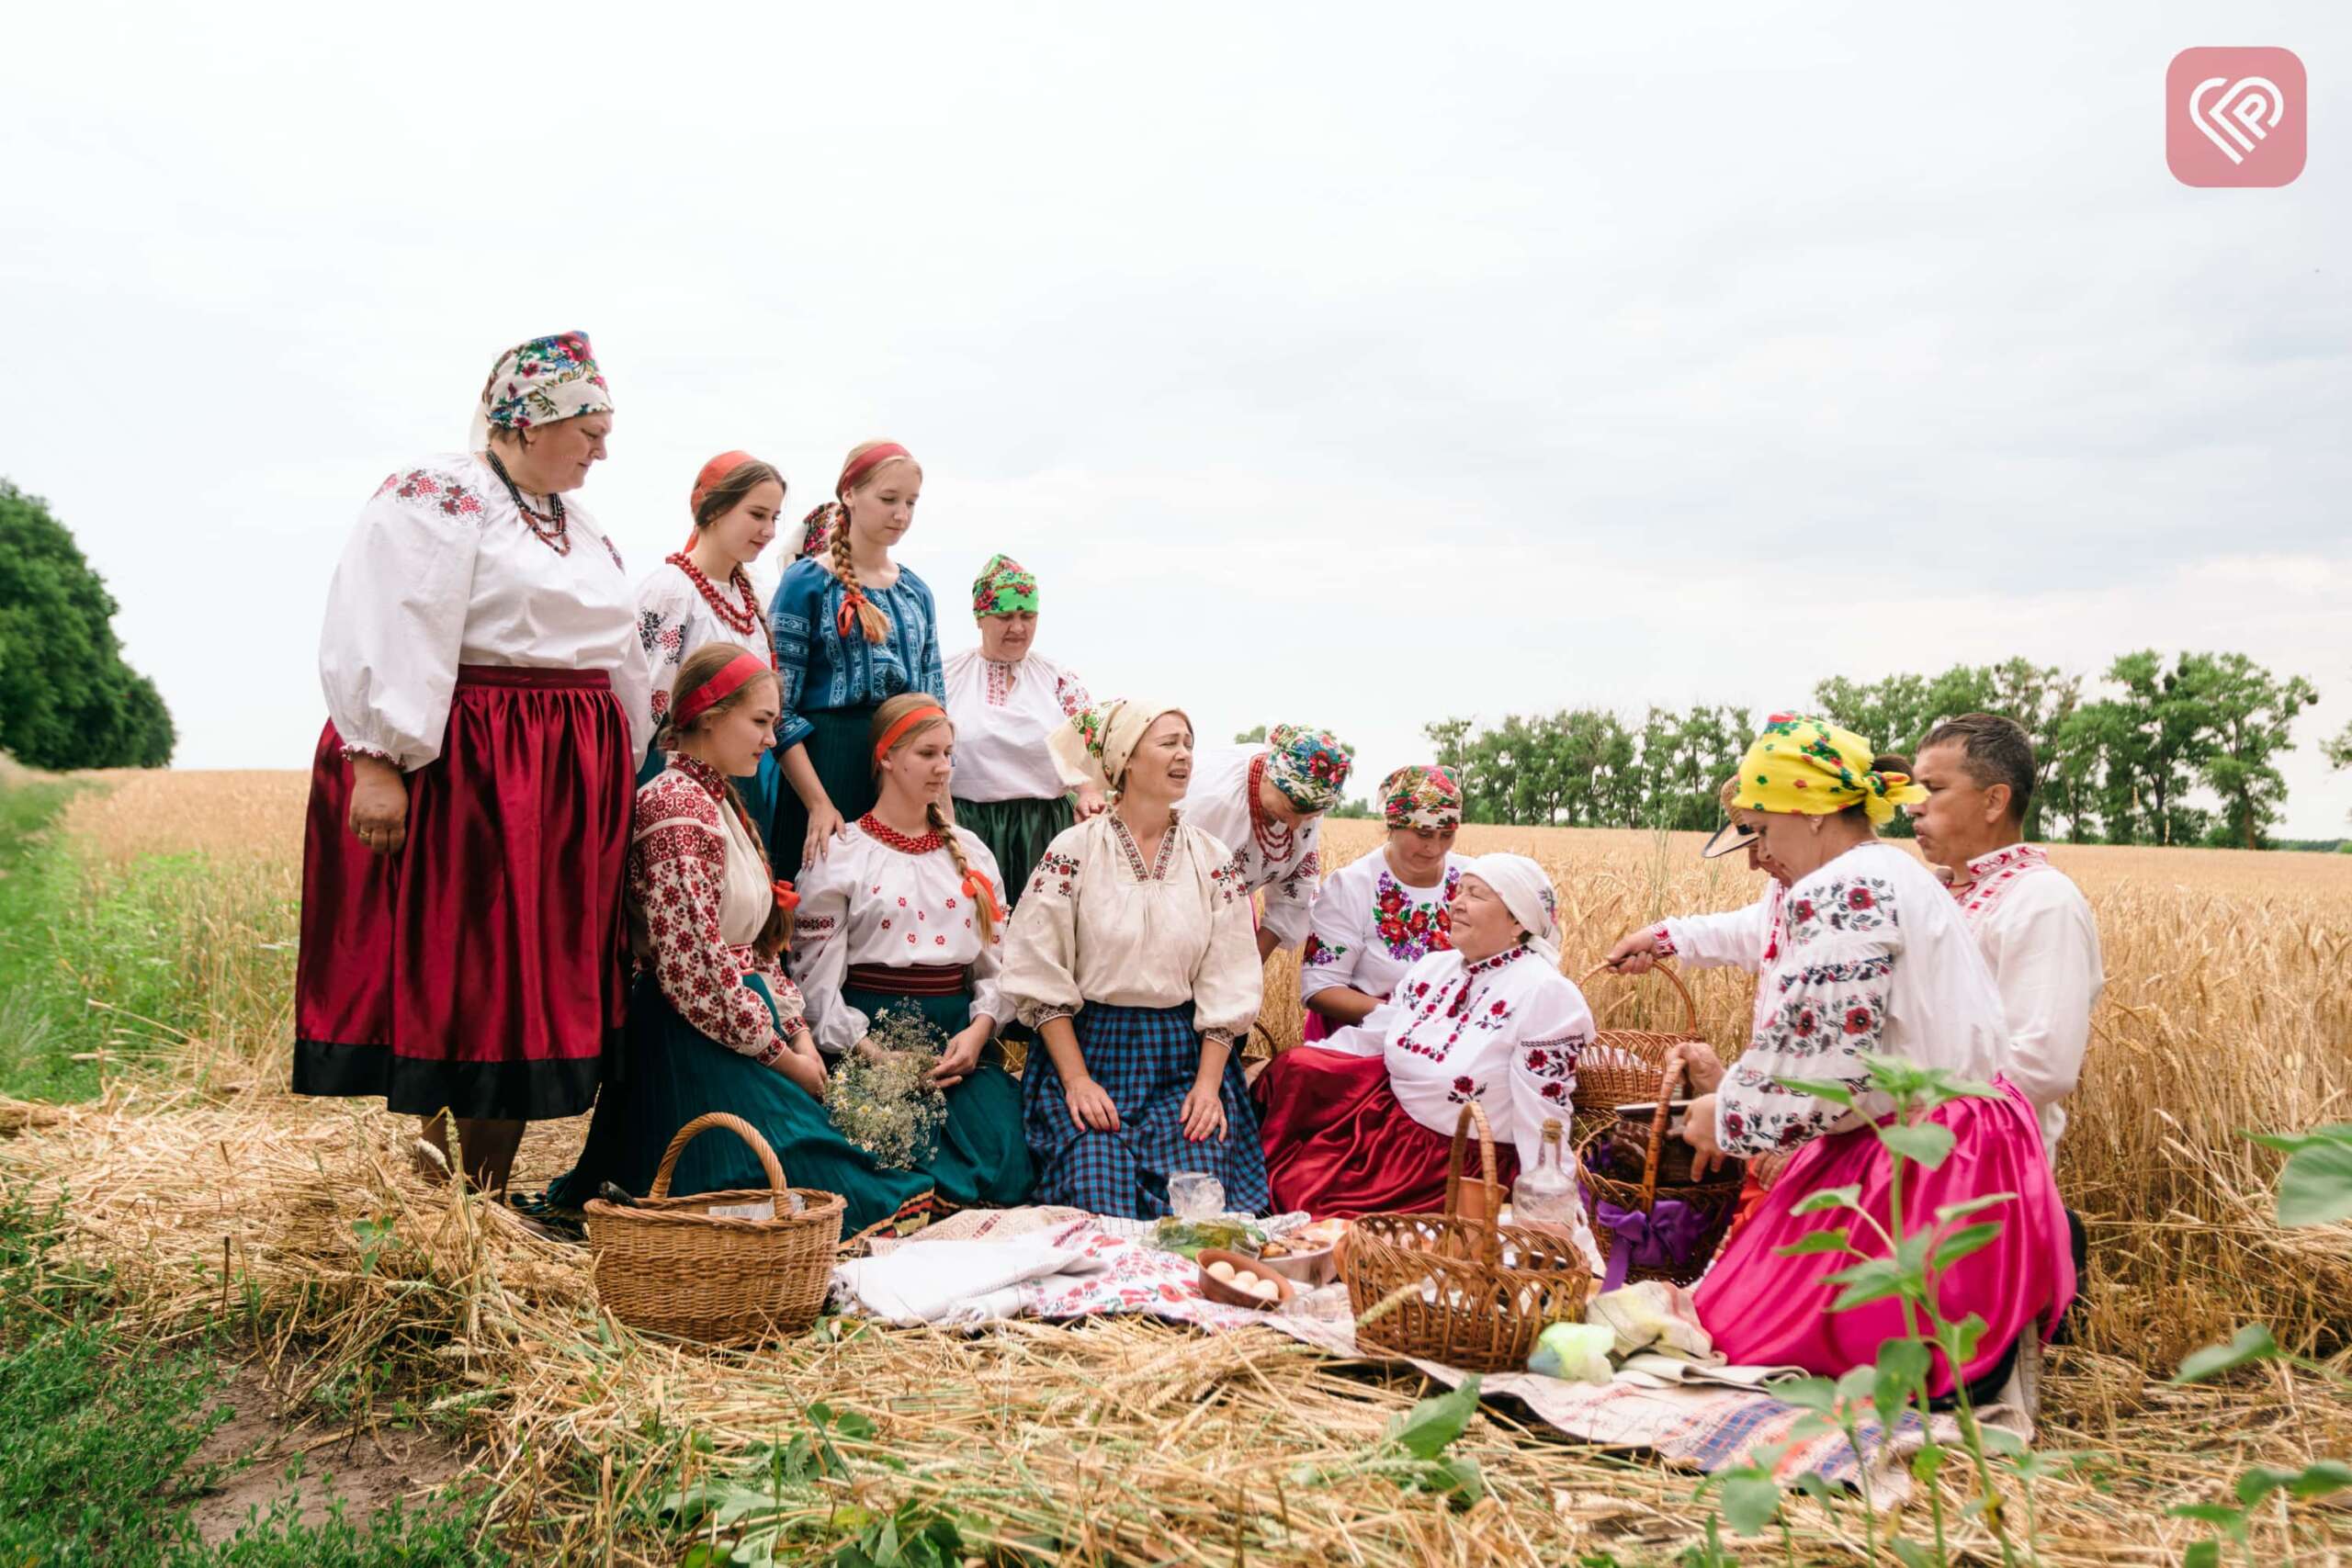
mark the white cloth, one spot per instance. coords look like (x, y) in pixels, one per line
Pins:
(864, 902)
(1367, 926)
(442, 571)
(1097, 925)
(1526, 891)
(673, 619)
(1505, 1031)
(1006, 715)
(1877, 960)
(1217, 802)
(1746, 938)
(956, 1281)
(2035, 929)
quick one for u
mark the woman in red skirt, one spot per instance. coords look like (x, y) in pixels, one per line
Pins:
(488, 700)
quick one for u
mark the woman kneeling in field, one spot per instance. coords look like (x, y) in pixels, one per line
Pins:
(1877, 962)
(714, 1024)
(1364, 1122)
(1131, 957)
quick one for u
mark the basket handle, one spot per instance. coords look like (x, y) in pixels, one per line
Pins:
(1472, 1112)
(702, 1123)
(1690, 1008)
(1667, 1082)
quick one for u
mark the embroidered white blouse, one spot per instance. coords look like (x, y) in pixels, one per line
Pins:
(673, 619)
(1367, 926)
(1005, 715)
(867, 902)
(442, 571)
(698, 892)
(2035, 929)
(1877, 961)
(1217, 802)
(1505, 1031)
(1097, 925)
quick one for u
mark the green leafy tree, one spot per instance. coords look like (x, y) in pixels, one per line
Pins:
(2249, 713)
(66, 698)
(2151, 742)
(1252, 736)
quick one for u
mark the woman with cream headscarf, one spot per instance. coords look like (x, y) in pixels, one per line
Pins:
(1364, 1123)
(1877, 962)
(488, 701)
(1130, 956)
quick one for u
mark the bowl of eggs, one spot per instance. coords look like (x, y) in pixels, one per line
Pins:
(1238, 1279)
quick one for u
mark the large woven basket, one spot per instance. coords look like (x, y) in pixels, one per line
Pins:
(1713, 1201)
(687, 1267)
(1621, 1066)
(1469, 1293)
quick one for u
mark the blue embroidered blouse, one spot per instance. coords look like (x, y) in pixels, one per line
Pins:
(823, 671)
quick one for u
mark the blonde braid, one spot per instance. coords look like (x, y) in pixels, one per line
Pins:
(945, 826)
(870, 617)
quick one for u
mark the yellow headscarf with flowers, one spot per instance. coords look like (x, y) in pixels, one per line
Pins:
(1810, 767)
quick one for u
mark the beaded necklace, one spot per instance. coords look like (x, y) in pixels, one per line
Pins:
(744, 619)
(1275, 840)
(889, 838)
(548, 527)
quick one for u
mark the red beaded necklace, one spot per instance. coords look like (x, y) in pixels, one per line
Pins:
(889, 838)
(548, 527)
(1275, 840)
(744, 619)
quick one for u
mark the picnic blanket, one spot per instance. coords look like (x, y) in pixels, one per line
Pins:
(1065, 1263)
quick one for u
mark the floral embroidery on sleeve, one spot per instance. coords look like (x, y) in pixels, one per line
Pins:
(1829, 1013)
(677, 868)
(1318, 950)
(1055, 871)
(445, 494)
(1069, 691)
(1856, 905)
(1227, 879)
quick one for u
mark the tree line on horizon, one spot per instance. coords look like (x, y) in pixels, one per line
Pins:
(2173, 752)
(67, 700)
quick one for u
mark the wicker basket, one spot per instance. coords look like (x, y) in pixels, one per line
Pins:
(1469, 1293)
(672, 1265)
(1715, 1199)
(1621, 1066)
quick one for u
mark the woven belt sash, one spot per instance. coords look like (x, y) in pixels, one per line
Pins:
(914, 980)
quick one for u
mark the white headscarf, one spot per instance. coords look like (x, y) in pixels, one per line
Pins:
(1104, 737)
(1527, 893)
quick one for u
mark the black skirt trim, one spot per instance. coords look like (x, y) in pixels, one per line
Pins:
(490, 1091)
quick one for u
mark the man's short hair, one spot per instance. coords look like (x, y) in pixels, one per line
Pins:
(1995, 751)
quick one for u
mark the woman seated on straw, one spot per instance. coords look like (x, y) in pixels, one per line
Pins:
(1365, 1122)
(904, 915)
(714, 1024)
(1376, 916)
(1131, 956)
(1876, 962)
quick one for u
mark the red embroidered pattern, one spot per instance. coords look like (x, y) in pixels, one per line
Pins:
(677, 870)
(1071, 693)
(1995, 875)
(1135, 854)
(454, 498)
(999, 682)
(889, 838)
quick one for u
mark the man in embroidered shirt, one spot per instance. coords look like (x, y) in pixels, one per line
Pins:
(2032, 923)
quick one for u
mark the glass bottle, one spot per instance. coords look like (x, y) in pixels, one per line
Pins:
(1544, 1197)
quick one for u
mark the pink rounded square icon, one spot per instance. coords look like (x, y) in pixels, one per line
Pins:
(2234, 116)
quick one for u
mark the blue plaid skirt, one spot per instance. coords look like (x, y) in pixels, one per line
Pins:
(1146, 1059)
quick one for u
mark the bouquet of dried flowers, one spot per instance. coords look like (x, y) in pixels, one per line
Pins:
(881, 1096)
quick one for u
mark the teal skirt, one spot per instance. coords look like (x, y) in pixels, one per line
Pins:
(1016, 832)
(839, 752)
(675, 1073)
(981, 1160)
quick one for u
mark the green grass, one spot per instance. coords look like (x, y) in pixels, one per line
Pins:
(99, 1439)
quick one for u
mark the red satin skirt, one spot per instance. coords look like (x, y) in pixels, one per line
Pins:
(1337, 1144)
(478, 969)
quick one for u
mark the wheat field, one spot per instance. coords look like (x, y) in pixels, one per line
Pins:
(2224, 1013)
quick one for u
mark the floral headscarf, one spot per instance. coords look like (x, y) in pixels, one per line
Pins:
(817, 530)
(1421, 796)
(1810, 767)
(1309, 766)
(540, 382)
(1108, 733)
(1527, 893)
(1003, 586)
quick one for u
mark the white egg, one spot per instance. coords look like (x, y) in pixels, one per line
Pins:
(1243, 1280)
(1267, 1291)
(1221, 1270)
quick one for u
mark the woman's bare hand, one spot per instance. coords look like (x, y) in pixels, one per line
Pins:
(379, 817)
(1702, 1068)
(825, 825)
(1634, 953)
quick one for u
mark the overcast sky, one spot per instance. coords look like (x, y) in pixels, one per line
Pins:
(1349, 364)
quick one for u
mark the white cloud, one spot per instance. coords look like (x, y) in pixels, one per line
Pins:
(1360, 364)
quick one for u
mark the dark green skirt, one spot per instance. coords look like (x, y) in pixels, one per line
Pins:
(982, 1157)
(675, 1073)
(1016, 832)
(839, 752)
